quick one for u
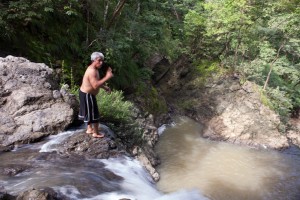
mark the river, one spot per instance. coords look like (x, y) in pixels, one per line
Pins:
(223, 171)
(193, 168)
(77, 178)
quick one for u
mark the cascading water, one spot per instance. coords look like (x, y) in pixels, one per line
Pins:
(77, 178)
(192, 168)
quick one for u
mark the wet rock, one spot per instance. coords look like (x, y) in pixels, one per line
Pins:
(53, 156)
(86, 145)
(111, 176)
(144, 152)
(5, 148)
(149, 161)
(40, 194)
(12, 170)
(5, 196)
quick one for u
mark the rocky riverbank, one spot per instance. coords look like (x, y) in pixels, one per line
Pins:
(32, 106)
(230, 109)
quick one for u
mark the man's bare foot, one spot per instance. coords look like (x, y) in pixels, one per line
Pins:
(99, 135)
(89, 131)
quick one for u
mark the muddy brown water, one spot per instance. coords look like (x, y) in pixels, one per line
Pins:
(223, 171)
(193, 168)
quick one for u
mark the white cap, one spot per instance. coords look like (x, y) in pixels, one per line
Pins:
(96, 55)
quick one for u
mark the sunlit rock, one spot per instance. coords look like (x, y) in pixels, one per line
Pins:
(30, 107)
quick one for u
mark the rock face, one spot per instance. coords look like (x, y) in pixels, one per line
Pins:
(30, 104)
(294, 133)
(229, 110)
(145, 153)
(241, 118)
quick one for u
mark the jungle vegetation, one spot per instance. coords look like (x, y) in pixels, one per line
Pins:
(259, 40)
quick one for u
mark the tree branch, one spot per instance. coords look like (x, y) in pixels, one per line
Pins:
(271, 66)
(117, 11)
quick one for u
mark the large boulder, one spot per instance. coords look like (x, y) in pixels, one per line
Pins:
(31, 107)
(240, 117)
(294, 133)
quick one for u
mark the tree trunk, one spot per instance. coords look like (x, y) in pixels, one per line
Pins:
(271, 66)
(116, 12)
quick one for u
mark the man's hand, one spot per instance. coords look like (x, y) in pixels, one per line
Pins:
(109, 73)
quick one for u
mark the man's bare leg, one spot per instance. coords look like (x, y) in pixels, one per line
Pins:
(89, 129)
(96, 133)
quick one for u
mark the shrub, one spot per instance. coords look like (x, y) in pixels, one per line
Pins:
(113, 107)
(208, 69)
(119, 115)
(151, 100)
(281, 102)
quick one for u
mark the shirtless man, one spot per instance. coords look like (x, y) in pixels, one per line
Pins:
(91, 83)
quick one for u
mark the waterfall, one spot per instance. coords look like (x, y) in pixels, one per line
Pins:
(86, 179)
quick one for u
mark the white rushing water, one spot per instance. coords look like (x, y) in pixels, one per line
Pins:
(137, 183)
(84, 179)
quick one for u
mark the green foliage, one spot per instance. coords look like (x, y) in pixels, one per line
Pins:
(142, 29)
(277, 100)
(154, 103)
(280, 101)
(223, 17)
(251, 37)
(113, 107)
(264, 98)
(258, 39)
(146, 73)
(131, 137)
(187, 104)
(285, 75)
(74, 90)
(206, 69)
(295, 96)
(217, 27)
(151, 100)
(193, 23)
(71, 30)
(119, 114)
